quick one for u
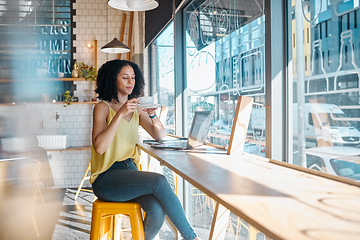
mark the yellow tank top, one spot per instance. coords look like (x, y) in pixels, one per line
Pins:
(122, 147)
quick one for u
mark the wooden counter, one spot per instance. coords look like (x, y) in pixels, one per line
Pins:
(281, 202)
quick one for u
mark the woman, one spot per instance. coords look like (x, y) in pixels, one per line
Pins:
(114, 158)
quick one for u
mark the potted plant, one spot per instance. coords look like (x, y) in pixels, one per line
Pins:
(67, 98)
(87, 72)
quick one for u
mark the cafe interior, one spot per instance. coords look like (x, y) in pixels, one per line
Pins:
(276, 157)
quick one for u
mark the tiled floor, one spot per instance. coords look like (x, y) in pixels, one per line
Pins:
(74, 217)
(60, 217)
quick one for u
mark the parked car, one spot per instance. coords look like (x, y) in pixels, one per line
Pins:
(321, 121)
(336, 160)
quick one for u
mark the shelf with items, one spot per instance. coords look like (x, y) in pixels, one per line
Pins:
(67, 79)
(15, 103)
(86, 102)
(79, 148)
(43, 79)
(47, 90)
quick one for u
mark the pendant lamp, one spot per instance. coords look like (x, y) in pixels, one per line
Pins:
(133, 5)
(115, 46)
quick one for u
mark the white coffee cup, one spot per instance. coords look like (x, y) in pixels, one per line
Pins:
(146, 100)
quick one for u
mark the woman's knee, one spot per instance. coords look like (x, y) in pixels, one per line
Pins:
(161, 180)
(152, 207)
(156, 211)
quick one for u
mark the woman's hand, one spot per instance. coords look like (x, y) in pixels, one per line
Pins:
(151, 123)
(128, 107)
(150, 111)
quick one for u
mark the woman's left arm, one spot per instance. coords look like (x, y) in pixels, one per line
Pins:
(151, 123)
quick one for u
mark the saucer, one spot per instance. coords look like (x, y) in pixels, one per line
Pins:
(151, 105)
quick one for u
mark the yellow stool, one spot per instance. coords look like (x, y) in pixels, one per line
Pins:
(103, 209)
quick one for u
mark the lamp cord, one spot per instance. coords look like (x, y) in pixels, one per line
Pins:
(115, 21)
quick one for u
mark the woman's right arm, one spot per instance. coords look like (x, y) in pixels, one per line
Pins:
(103, 135)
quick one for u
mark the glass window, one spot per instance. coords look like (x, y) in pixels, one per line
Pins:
(314, 162)
(224, 58)
(326, 96)
(163, 75)
(346, 169)
(35, 44)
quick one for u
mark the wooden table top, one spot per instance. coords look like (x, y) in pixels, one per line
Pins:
(281, 202)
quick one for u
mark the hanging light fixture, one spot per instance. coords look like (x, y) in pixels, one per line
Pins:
(115, 46)
(133, 5)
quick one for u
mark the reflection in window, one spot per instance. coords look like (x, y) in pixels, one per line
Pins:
(323, 111)
(163, 74)
(316, 163)
(346, 169)
(35, 45)
(224, 58)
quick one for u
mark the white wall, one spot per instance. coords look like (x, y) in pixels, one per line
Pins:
(94, 20)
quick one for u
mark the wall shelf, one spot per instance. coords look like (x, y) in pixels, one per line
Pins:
(70, 149)
(67, 79)
(22, 103)
(43, 79)
(90, 102)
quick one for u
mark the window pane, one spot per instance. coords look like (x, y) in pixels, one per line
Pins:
(163, 74)
(326, 111)
(35, 44)
(224, 58)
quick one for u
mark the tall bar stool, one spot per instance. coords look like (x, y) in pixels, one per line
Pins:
(85, 177)
(102, 210)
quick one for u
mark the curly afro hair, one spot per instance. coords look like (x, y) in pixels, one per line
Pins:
(107, 77)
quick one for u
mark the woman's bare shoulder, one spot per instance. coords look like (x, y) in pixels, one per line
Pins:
(101, 107)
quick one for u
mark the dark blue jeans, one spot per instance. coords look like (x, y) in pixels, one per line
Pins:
(124, 182)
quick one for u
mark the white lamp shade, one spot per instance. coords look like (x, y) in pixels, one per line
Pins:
(133, 5)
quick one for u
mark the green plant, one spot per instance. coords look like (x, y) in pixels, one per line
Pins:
(87, 72)
(68, 98)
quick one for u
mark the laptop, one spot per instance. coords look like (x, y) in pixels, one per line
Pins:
(198, 134)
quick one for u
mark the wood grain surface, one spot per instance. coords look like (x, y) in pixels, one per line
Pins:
(282, 202)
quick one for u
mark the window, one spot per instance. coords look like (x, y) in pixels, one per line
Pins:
(35, 44)
(163, 73)
(224, 58)
(346, 168)
(329, 102)
(316, 163)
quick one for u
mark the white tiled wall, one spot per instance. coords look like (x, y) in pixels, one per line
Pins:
(68, 167)
(95, 20)
(84, 90)
(31, 119)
